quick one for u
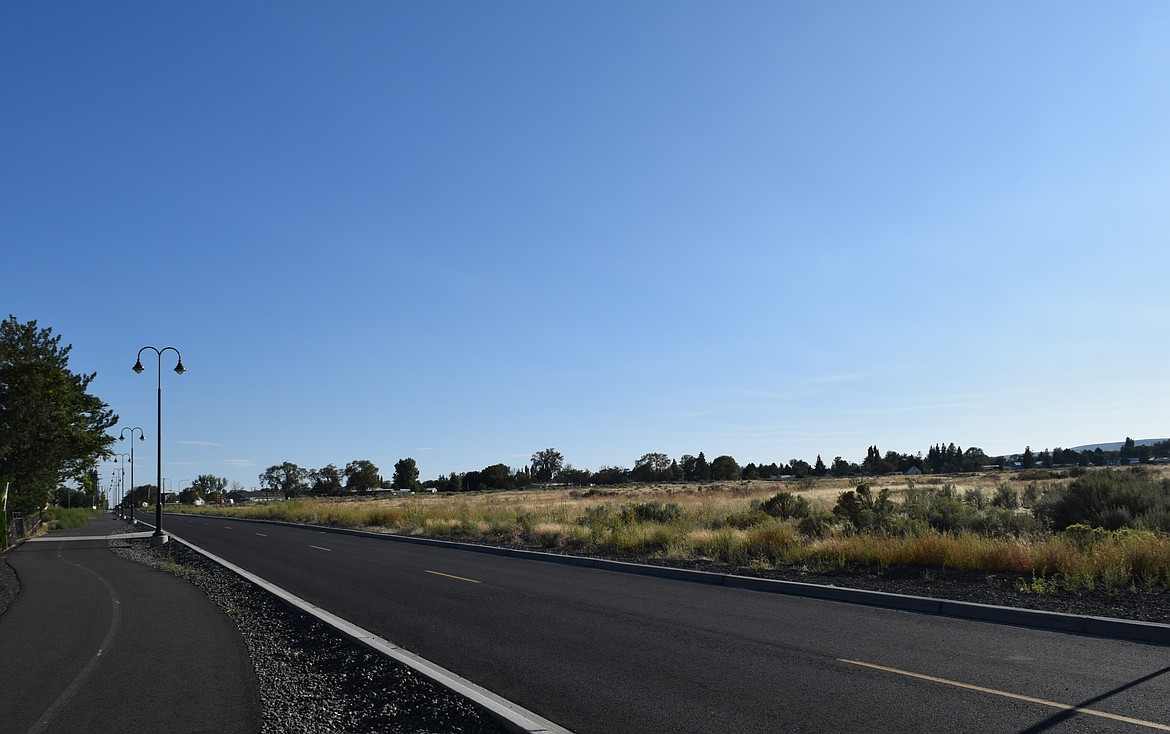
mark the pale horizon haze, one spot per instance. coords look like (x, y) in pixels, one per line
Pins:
(465, 232)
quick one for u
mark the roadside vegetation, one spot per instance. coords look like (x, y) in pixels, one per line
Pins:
(1094, 529)
(56, 518)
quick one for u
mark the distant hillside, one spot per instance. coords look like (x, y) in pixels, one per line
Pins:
(1116, 445)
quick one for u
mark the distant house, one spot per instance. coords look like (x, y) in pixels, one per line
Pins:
(913, 471)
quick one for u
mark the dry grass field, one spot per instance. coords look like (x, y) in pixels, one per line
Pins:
(738, 523)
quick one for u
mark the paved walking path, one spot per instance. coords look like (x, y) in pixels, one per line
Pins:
(98, 643)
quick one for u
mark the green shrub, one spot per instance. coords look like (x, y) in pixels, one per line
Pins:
(1032, 493)
(651, 512)
(1009, 523)
(944, 511)
(861, 509)
(904, 527)
(1115, 518)
(816, 525)
(599, 516)
(526, 521)
(1107, 499)
(743, 520)
(787, 506)
(1006, 496)
(1157, 519)
(72, 517)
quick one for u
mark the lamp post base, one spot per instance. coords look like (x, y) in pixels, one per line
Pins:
(159, 539)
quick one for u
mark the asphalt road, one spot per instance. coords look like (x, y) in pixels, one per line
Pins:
(98, 643)
(600, 651)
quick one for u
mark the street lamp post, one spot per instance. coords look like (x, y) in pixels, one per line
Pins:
(159, 536)
(120, 469)
(141, 437)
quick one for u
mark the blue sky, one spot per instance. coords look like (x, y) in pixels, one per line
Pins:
(465, 232)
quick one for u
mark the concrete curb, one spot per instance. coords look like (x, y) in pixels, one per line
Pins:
(1120, 629)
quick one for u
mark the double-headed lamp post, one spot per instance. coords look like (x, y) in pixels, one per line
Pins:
(159, 536)
(120, 459)
(141, 437)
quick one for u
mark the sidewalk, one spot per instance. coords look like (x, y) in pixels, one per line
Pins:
(95, 642)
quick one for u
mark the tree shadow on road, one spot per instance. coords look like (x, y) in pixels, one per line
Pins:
(1056, 719)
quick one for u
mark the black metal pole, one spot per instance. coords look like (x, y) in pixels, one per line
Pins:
(159, 536)
(158, 531)
(141, 437)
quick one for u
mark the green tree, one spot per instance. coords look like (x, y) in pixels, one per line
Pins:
(545, 464)
(974, 459)
(610, 475)
(801, 468)
(497, 476)
(841, 468)
(208, 487)
(724, 468)
(325, 481)
(51, 429)
(819, 467)
(361, 476)
(702, 468)
(651, 467)
(405, 475)
(575, 477)
(287, 478)
(1028, 460)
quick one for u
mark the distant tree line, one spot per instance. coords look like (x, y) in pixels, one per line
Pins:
(359, 477)
(548, 467)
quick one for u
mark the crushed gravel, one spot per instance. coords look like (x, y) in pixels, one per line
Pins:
(313, 680)
(999, 589)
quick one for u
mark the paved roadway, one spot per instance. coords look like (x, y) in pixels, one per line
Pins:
(600, 651)
(98, 643)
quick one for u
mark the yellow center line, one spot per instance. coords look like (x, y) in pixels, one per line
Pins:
(458, 578)
(320, 548)
(1016, 696)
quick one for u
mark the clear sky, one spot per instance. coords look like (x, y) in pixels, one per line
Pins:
(466, 231)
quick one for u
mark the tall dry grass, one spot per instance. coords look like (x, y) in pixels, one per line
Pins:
(724, 523)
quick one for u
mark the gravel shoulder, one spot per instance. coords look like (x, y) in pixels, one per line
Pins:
(998, 589)
(312, 679)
